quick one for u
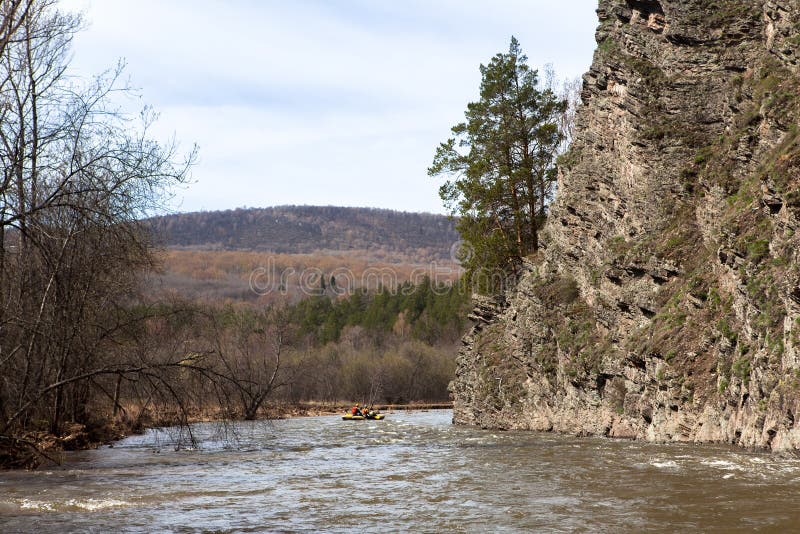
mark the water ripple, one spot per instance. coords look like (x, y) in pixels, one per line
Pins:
(411, 472)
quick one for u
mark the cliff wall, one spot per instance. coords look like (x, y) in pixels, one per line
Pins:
(665, 303)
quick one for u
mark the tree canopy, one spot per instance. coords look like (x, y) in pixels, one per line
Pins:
(501, 164)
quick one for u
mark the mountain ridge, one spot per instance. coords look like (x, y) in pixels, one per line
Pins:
(421, 237)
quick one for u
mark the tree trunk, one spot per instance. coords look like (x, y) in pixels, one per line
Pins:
(117, 388)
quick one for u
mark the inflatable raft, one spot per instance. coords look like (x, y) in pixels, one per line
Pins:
(351, 417)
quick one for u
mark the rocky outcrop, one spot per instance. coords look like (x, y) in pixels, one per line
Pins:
(665, 303)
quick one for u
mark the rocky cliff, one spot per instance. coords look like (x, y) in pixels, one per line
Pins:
(665, 303)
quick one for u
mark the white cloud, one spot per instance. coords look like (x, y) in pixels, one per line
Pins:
(314, 101)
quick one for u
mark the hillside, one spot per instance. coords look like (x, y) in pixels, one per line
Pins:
(383, 234)
(666, 303)
(219, 256)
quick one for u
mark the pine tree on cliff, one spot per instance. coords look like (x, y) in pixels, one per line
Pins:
(501, 166)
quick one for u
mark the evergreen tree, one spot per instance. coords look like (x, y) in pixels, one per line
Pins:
(502, 164)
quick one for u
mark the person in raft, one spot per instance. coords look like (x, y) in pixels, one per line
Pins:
(356, 410)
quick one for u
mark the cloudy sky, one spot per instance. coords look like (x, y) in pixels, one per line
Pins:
(319, 102)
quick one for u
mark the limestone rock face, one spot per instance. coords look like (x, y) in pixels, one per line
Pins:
(665, 302)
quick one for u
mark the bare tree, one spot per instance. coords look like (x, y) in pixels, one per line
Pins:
(77, 175)
(252, 357)
(14, 13)
(569, 90)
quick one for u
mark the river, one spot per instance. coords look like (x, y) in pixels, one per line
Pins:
(413, 472)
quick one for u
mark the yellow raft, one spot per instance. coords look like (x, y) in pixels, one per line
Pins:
(351, 417)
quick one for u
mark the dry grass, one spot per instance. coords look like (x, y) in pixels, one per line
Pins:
(231, 275)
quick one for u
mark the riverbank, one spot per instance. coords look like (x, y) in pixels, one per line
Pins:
(313, 409)
(41, 447)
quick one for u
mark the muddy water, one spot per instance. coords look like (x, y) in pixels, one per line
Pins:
(413, 472)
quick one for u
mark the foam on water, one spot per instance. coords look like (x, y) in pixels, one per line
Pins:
(664, 464)
(409, 473)
(89, 505)
(723, 464)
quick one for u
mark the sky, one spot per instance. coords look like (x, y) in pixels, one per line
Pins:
(318, 102)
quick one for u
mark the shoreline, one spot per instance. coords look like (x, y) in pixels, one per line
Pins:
(319, 409)
(40, 448)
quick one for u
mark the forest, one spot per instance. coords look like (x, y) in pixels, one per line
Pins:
(385, 235)
(385, 346)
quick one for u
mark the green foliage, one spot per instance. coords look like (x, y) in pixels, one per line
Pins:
(795, 333)
(741, 369)
(722, 14)
(725, 329)
(428, 312)
(703, 155)
(502, 163)
(714, 299)
(595, 276)
(758, 250)
(762, 289)
(652, 75)
(661, 374)
(723, 384)
(608, 47)
(559, 291)
(501, 378)
(568, 159)
(793, 198)
(618, 245)
(577, 336)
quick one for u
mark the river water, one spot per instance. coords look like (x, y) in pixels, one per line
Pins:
(413, 472)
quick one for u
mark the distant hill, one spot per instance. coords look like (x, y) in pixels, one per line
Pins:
(384, 234)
